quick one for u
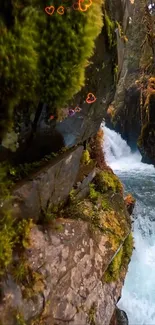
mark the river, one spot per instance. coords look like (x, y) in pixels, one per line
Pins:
(138, 294)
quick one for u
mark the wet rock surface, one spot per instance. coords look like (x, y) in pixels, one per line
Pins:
(119, 317)
(49, 186)
(132, 115)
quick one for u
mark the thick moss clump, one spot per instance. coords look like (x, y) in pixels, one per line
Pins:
(120, 261)
(110, 27)
(19, 65)
(13, 234)
(106, 180)
(102, 210)
(85, 160)
(43, 58)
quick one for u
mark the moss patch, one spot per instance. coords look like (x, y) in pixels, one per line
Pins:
(110, 27)
(106, 180)
(120, 262)
(104, 209)
(13, 235)
(85, 159)
(44, 63)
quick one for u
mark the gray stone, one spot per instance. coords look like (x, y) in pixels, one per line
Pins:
(49, 186)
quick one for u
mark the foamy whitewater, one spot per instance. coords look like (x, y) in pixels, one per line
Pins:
(138, 295)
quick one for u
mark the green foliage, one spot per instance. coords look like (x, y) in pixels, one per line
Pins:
(106, 205)
(49, 217)
(19, 60)
(113, 272)
(7, 240)
(128, 248)
(68, 52)
(120, 261)
(106, 180)
(50, 214)
(23, 229)
(5, 182)
(20, 271)
(12, 234)
(110, 27)
(43, 58)
(93, 194)
(72, 196)
(85, 160)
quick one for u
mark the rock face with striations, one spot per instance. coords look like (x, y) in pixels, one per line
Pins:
(74, 267)
(131, 111)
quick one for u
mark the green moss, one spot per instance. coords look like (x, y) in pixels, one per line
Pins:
(120, 261)
(30, 281)
(5, 182)
(13, 234)
(93, 194)
(23, 229)
(72, 195)
(19, 58)
(106, 205)
(128, 248)
(110, 27)
(43, 58)
(106, 180)
(113, 271)
(7, 240)
(20, 271)
(85, 160)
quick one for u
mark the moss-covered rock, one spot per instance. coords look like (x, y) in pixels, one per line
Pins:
(120, 262)
(44, 64)
(13, 235)
(106, 180)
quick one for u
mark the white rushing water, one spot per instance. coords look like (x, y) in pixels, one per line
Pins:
(138, 294)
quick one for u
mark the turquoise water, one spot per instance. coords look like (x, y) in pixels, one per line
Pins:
(138, 294)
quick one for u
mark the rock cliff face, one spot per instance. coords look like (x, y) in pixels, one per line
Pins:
(65, 229)
(35, 135)
(131, 111)
(73, 267)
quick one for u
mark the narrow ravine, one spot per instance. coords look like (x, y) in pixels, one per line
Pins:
(138, 295)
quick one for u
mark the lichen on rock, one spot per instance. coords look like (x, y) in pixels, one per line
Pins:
(67, 260)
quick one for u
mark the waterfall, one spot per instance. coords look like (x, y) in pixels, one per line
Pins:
(138, 294)
(118, 154)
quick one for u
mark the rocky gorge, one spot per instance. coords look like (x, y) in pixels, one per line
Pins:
(65, 226)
